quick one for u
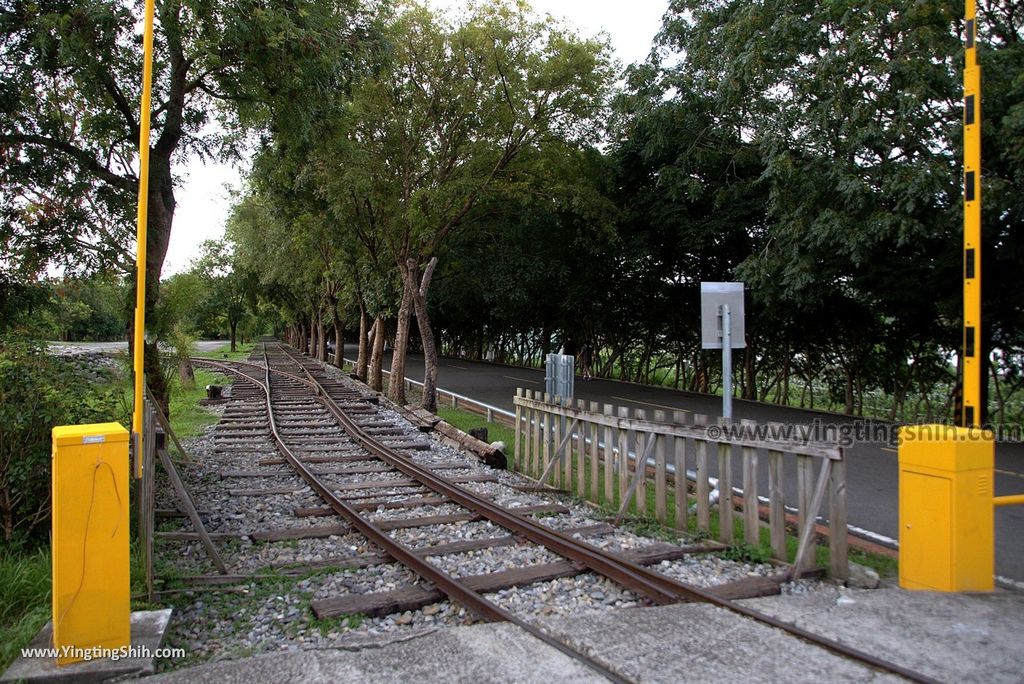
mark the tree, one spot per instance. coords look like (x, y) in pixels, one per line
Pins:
(225, 287)
(69, 127)
(854, 111)
(441, 123)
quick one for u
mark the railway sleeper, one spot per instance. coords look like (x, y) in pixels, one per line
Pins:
(415, 597)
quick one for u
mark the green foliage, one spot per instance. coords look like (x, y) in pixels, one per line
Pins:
(24, 600)
(188, 418)
(38, 392)
(69, 99)
(93, 308)
(71, 309)
(748, 554)
(337, 624)
(466, 421)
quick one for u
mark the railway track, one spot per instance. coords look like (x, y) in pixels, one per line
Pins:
(323, 430)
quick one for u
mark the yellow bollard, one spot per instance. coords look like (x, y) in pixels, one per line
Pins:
(947, 522)
(91, 585)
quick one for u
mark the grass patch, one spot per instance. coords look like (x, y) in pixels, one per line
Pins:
(643, 522)
(466, 421)
(188, 418)
(336, 624)
(24, 600)
(224, 353)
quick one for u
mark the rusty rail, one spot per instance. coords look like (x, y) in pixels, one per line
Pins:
(656, 587)
(452, 587)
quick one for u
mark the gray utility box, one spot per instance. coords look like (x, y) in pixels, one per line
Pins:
(559, 375)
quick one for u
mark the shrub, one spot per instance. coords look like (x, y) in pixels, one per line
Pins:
(37, 392)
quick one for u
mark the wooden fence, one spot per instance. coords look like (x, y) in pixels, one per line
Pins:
(145, 494)
(594, 452)
(155, 425)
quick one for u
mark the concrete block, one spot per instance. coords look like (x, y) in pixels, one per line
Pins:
(148, 629)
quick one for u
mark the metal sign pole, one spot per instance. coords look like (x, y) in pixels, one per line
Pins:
(726, 363)
(139, 340)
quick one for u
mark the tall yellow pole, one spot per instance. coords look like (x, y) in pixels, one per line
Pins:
(142, 217)
(973, 351)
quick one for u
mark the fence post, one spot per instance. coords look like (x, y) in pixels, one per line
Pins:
(776, 505)
(609, 460)
(839, 566)
(751, 519)
(519, 429)
(623, 459)
(594, 469)
(679, 449)
(547, 435)
(640, 464)
(581, 452)
(660, 474)
(703, 475)
(535, 432)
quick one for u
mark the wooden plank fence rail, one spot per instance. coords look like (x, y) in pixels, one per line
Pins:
(612, 456)
(146, 493)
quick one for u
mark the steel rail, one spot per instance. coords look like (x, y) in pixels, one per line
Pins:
(657, 587)
(452, 587)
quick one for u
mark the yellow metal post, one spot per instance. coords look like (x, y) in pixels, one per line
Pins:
(91, 588)
(947, 521)
(141, 219)
(973, 350)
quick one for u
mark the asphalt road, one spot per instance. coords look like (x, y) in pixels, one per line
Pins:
(872, 473)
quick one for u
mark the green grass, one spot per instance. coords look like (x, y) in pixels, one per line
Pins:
(644, 522)
(225, 353)
(335, 624)
(188, 418)
(24, 600)
(466, 421)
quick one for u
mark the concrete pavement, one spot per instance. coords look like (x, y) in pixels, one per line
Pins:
(949, 637)
(872, 471)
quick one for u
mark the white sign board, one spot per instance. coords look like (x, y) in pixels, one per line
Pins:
(712, 297)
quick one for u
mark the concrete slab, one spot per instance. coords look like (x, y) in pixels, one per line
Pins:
(950, 637)
(464, 655)
(702, 643)
(148, 629)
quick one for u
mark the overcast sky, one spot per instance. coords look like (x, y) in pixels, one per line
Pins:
(203, 195)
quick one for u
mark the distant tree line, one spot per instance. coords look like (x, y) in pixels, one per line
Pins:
(492, 184)
(808, 149)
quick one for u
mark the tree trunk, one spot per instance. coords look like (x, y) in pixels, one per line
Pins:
(429, 401)
(364, 356)
(186, 375)
(312, 336)
(545, 344)
(849, 392)
(158, 234)
(321, 338)
(785, 383)
(234, 332)
(339, 347)
(750, 387)
(377, 356)
(396, 381)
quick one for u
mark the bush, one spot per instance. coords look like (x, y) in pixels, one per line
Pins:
(37, 392)
(24, 600)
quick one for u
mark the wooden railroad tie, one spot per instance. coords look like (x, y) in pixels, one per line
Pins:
(414, 597)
